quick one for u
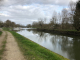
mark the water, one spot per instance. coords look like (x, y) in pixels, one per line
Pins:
(69, 47)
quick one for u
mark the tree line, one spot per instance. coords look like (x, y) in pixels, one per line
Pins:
(9, 24)
(67, 19)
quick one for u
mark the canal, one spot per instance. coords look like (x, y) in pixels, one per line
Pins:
(67, 46)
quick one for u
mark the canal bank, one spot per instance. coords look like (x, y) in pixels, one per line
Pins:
(33, 51)
(64, 32)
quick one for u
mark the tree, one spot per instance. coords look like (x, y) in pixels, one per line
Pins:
(8, 23)
(65, 19)
(52, 23)
(72, 6)
(35, 24)
(76, 17)
(41, 23)
(13, 24)
(29, 25)
(1, 24)
(53, 20)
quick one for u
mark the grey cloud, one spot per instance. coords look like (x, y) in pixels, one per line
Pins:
(23, 2)
(21, 13)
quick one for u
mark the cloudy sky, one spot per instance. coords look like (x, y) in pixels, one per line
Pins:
(26, 11)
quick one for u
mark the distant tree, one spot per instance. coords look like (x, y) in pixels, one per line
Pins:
(1, 24)
(51, 24)
(53, 20)
(76, 17)
(13, 24)
(18, 25)
(8, 23)
(41, 23)
(29, 25)
(65, 19)
(35, 24)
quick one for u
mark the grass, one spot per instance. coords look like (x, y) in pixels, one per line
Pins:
(6, 29)
(0, 32)
(33, 51)
(3, 47)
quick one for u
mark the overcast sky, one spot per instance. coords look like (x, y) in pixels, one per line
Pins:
(26, 11)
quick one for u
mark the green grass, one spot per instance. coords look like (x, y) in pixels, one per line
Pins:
(33, 51)
(3, 47)
(0, 32)
(6, 29)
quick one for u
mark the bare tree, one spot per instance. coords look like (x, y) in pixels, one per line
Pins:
(35, 24)
(41, 23)
(65, 19)
(72, 6)
(53, 20)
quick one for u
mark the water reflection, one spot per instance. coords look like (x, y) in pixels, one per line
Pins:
(18, 30)
(40, 35)
(68, 47)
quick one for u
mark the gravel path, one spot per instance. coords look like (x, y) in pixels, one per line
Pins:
(12, 50)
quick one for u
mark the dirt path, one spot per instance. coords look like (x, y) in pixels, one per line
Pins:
(12, 50)
(2, 37)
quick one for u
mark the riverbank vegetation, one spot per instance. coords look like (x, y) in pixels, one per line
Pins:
(33, 51)
(66, 20)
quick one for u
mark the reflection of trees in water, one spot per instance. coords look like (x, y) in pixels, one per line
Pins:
(41, 35)
(29, 30)
(76, 48)
(67, 44)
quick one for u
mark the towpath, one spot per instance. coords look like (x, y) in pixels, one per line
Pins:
(12, 51)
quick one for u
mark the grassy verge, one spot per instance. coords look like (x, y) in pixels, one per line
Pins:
(33, 51)
(6, 29)
(0, 32)
(3, 47)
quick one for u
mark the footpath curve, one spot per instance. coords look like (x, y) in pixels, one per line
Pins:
(12, 51)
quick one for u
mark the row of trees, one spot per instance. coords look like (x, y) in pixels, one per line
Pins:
(68, 19)
(9, 24)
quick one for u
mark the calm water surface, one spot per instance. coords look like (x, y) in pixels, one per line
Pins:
(66, 46)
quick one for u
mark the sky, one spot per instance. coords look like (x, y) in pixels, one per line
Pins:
(27, 11)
